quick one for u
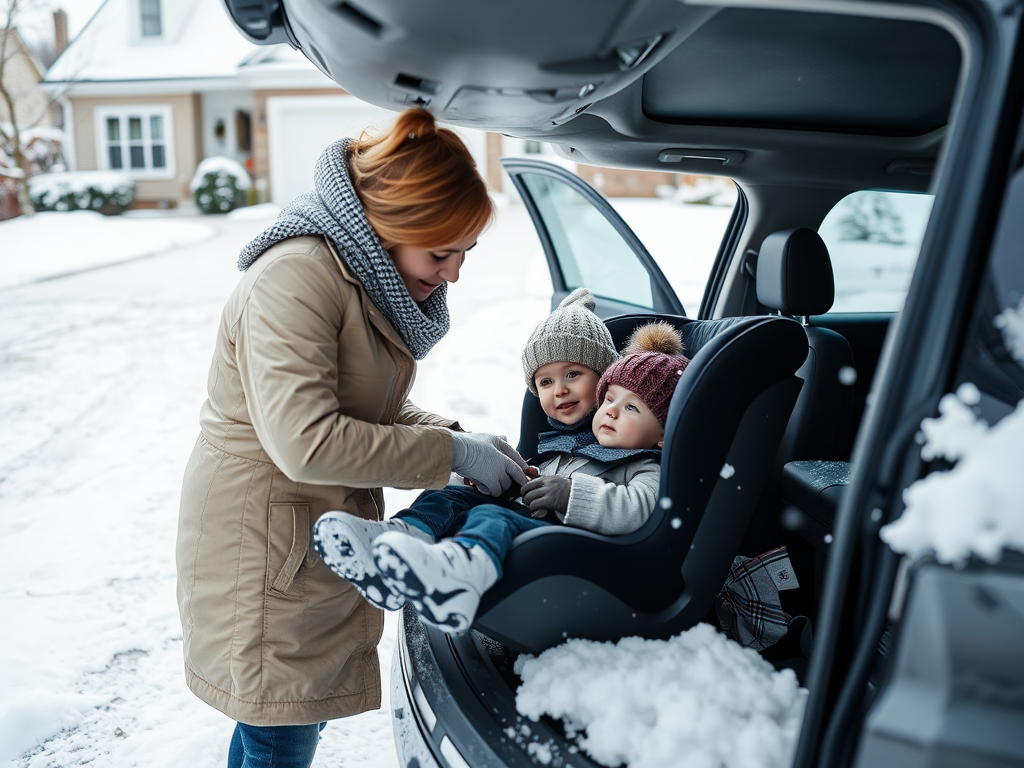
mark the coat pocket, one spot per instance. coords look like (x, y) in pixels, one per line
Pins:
(288, 546)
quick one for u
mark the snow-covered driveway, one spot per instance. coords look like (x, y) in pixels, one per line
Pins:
(101, 377)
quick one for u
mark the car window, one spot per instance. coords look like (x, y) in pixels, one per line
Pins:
(681, 225)
(874, 238)
(993, 352)
(591, 253)
(683, 231)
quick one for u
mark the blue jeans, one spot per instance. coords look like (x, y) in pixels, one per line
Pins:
(442, 513)
(273, 746)
(471, 517)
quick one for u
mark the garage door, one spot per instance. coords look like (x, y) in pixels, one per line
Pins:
(300, 127)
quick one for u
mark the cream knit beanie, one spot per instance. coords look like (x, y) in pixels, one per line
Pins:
(573, 334)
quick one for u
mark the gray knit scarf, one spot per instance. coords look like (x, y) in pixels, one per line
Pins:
(578, 439)
(333, 210)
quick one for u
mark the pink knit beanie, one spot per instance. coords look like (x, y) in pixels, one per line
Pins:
(650, 366)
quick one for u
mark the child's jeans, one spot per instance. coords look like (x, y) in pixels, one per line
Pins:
(471, 517)
(442, 513)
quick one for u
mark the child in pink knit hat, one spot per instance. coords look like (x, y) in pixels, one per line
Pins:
(649, 371)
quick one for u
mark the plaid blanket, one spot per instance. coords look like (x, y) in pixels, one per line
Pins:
(748, 607)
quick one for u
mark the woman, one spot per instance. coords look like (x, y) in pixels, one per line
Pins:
(307, 412)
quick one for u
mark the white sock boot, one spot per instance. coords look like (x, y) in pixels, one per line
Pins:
(344, 543)
(443, 581)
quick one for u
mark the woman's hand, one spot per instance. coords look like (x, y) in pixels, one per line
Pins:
(492, 464)
(550, 492)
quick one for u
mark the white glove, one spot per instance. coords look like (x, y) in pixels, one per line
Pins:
(491, 463)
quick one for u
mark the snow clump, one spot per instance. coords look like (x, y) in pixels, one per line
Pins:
(976, 508)
(1011, 322)
(697, 699)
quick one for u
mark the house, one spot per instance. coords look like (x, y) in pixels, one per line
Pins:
(22, 73)
(152, 87)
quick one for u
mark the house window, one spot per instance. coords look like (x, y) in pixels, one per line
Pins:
(149, 13)
(137, 140)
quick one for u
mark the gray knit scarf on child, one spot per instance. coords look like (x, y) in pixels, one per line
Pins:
(578, 439)
(333, 210)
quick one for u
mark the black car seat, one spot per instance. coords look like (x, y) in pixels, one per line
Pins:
(794, 278)
(730, 408)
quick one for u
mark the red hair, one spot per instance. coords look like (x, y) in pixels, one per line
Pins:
(418, 183)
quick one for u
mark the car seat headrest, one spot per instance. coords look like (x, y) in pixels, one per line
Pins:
(794, 273)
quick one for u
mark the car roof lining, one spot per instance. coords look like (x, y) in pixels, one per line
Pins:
(829, 145)
(854, 95)
(814, 71)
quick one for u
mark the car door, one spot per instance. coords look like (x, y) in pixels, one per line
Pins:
(913, 655)
(587, 243)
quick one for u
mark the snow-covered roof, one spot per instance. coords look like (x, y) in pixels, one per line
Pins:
(200, 47)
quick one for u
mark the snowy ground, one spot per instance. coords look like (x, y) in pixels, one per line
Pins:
(102, 373)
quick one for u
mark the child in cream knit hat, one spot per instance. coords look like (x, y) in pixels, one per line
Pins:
(572, 333)
(600, 472)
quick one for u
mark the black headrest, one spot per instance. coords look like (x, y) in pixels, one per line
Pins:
(794, 273)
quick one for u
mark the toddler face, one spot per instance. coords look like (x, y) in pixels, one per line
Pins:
(623, 420)
(568, 391)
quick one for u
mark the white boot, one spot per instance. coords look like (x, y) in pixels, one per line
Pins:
(344, 543)
(443, 581)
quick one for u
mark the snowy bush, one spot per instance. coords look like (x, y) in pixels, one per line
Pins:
(42, 146)
(220, 185)
(106, 192)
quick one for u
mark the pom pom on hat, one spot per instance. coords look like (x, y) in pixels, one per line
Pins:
(658, 336)
(650, 366)
(573, 334)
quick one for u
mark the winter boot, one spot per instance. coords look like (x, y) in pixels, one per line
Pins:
(344, 543)
(443, 581)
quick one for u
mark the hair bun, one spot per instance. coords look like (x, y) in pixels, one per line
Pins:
(658, 336)
(415, 124)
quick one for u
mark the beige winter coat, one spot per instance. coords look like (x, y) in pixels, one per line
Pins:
(307, 412)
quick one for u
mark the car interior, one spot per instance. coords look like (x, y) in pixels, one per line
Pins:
(800, 107)
(737, 393)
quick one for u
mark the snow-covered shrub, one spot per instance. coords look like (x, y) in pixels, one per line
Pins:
(107, 192)
(220, 184)
(42, 146)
